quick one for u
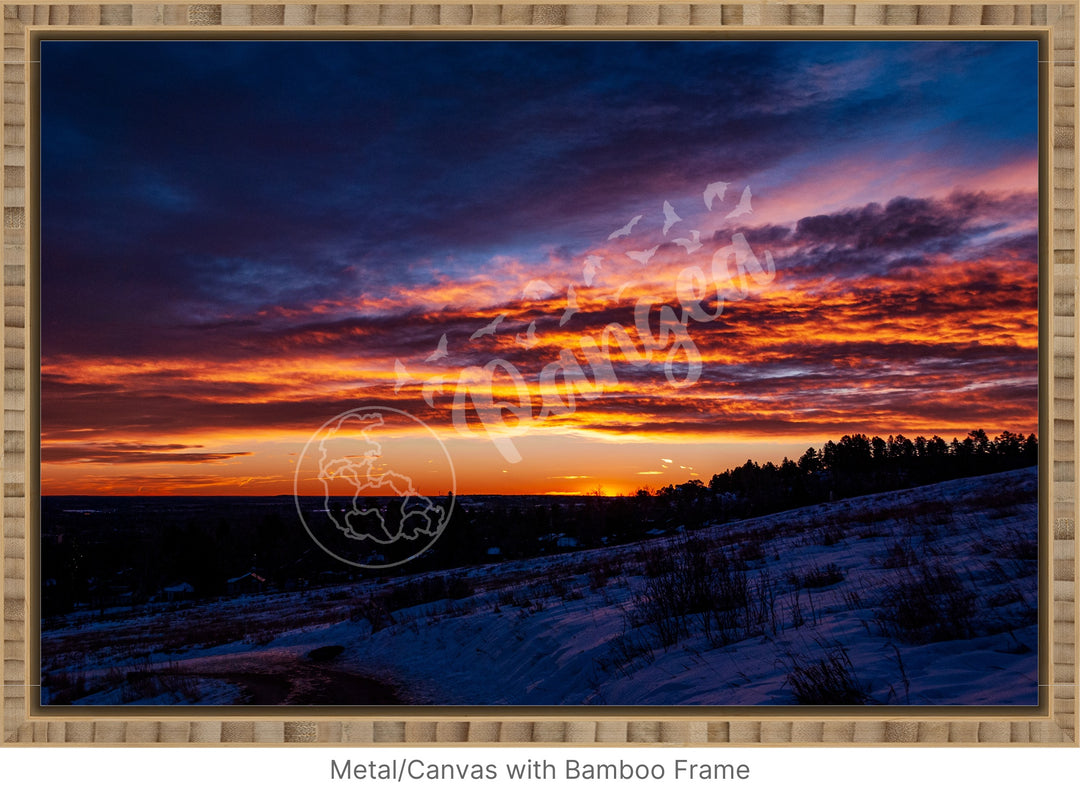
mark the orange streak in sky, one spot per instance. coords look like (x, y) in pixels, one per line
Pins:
(753, 384)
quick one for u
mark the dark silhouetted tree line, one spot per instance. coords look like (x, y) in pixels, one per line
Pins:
(854, 466)
(127, 550)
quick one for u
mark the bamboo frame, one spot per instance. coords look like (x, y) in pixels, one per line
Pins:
(1054, 722)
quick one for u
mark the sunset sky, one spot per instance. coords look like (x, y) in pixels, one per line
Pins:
(242, 240)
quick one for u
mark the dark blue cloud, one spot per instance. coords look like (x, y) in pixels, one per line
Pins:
(188, 181)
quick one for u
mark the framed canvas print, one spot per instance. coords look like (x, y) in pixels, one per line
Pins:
(687, 377)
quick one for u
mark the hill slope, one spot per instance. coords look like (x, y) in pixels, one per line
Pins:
(924, 596)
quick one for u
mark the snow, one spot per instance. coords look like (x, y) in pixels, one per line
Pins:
(928, 597)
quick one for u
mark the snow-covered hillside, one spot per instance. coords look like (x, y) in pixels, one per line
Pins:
(919, 597)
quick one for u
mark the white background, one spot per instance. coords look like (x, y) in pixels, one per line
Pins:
(807, 774)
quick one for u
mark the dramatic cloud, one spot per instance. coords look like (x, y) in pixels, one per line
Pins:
(110, 453)
(231, 259)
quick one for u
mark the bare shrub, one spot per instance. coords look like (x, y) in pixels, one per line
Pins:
(820, 576)
(655, 561)
(1005, 597)
(761, 604)
(149, 681)
(797, 617)
(662, 606)
(1024, 549)
(830, 534)
(564, 587)
(508, 598)
(64, 686)
(1006, 502)
(726, 593)
(696, 587)
(374, 610)
(900, 554)
(932, 604)
(930, 511)
(601, 572)
(751, 550)
(624, 650)
(828, 680)
(426, 590)
(871, 530)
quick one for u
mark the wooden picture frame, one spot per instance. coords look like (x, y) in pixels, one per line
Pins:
(1052, 722)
